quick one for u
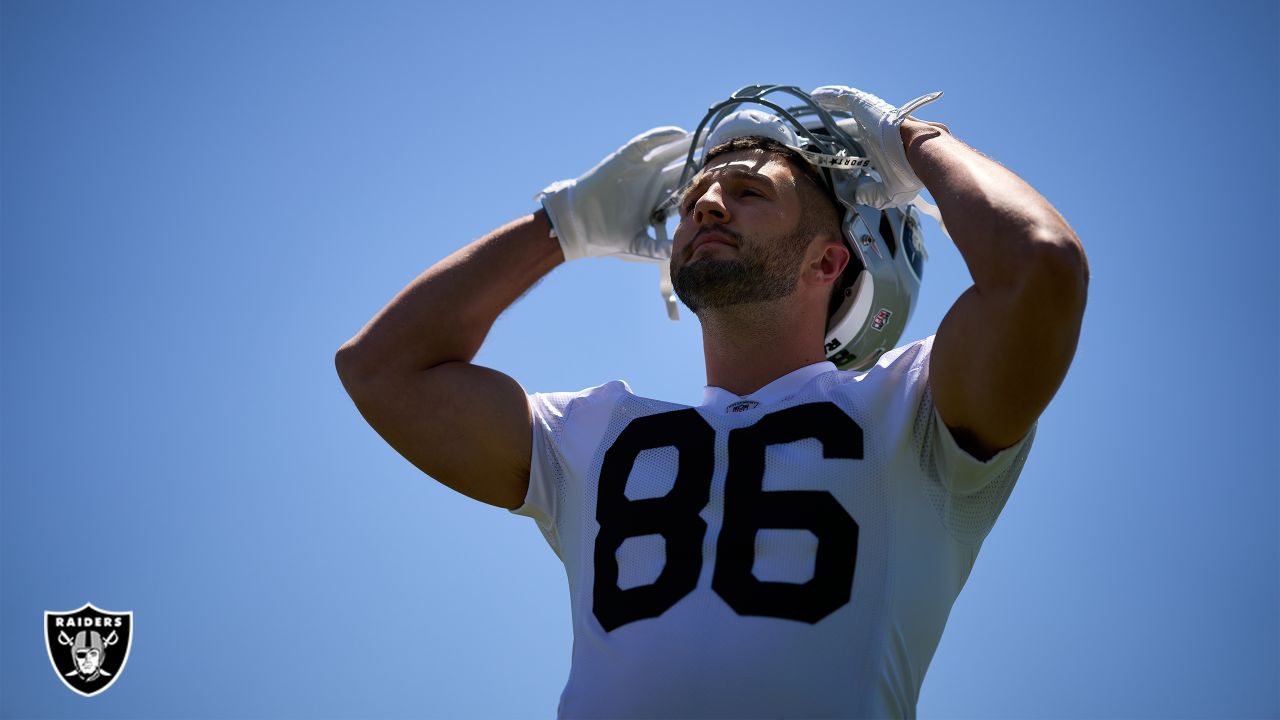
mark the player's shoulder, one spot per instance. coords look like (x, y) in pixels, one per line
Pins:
(565, 402)
(904, 363)
(910, 358)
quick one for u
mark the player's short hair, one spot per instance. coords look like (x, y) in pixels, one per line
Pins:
(801, 168)
(817, 201)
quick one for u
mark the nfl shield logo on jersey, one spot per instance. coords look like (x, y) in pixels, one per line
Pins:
(88, 647)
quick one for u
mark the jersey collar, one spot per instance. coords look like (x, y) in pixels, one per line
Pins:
(719, 399)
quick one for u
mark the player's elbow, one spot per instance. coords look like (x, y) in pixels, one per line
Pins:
(341, 360)
(1057, 273)
(353, 371)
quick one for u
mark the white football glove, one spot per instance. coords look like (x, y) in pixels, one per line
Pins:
(876, 128)
(607, 211)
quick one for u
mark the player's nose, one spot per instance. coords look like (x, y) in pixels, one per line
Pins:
(710, 206)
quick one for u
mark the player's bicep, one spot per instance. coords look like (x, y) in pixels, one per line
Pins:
(467, 426)
(999, 357)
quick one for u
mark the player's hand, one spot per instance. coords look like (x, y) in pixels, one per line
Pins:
(607, 210)
(876, 126)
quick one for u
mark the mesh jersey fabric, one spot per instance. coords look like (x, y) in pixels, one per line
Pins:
(790, 553)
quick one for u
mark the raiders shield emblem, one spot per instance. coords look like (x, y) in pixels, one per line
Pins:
(88, 647)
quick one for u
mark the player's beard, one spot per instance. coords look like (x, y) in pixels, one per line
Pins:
(761, 270)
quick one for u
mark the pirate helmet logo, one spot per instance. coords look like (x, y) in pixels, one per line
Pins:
(88, 647)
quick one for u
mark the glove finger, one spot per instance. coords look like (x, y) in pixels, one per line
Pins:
(833, 97)
(671, 175)
(667, 186)
(872, 193)
(851, 126)
(646, 248)
(640, 145)
(671, 151)
(848, 124)
(669, 182)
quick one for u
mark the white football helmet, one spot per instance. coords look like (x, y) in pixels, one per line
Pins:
(880, 287)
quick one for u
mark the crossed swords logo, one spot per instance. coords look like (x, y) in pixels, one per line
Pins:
(88, 647)
(87, 651)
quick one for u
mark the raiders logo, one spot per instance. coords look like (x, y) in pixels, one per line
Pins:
(88, 647)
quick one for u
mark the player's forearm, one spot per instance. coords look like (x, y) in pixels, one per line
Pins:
(1006, 232)
(446, 312)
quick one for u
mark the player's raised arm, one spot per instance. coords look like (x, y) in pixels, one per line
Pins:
(409, 370)
(1004, 348)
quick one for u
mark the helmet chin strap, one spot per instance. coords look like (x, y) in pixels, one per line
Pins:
(665, 287)
(856, 306)
(932, 211)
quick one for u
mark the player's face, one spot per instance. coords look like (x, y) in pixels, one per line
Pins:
(740, 238)
(87, 660)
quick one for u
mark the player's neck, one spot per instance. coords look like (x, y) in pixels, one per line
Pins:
(749, 346)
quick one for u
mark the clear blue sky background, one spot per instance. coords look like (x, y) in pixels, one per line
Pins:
(202, 201)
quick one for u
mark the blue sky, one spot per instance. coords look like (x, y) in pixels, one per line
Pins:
(200, 202)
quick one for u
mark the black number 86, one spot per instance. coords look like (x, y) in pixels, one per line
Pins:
(747, 509)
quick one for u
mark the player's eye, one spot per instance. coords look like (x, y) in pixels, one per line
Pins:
(687, 206)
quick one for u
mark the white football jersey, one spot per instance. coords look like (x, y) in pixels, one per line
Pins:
(793, 553)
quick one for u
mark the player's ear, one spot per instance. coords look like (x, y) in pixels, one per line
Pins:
(829, 263)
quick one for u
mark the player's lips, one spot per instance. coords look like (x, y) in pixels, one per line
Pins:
(711, 236)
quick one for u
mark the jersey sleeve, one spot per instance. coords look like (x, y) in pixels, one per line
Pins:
(566, 428)
(542, 502)
(968, 493)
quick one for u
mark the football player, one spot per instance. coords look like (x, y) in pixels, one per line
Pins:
(792, 545)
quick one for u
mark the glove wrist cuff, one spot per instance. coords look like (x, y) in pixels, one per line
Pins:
(559, 208)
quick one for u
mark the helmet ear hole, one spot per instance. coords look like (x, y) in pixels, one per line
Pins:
(885, 284)
(890, 237)
(846, 325)
(843, 287)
